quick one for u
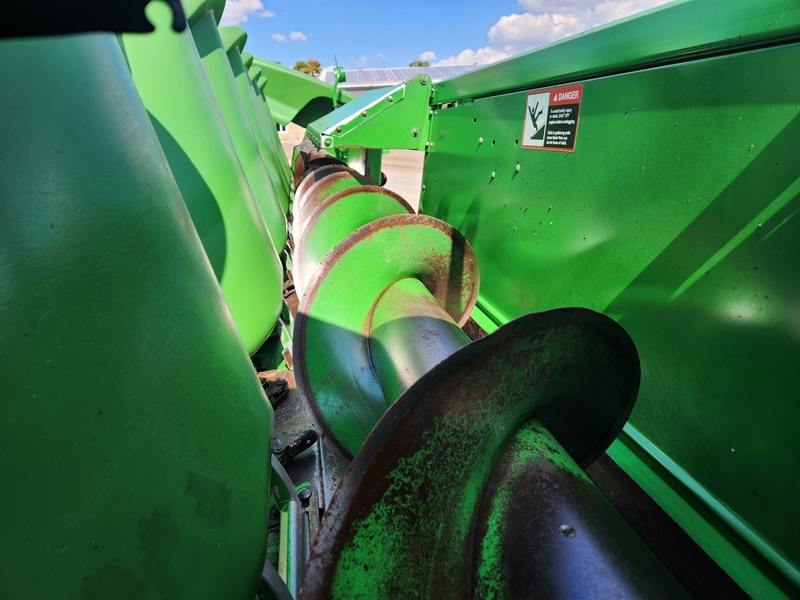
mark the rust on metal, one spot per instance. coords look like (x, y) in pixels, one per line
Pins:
(420, 476)
(305, 162)
(330, 183)
(321, 202)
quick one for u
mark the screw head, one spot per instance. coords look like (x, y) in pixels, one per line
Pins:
(328, 141)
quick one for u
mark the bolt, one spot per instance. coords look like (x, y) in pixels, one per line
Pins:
(424, 80)
(430, 113)
(480, 140)
(568, 531)
(415, 132)
(517, 168)
(339, 129)
(328, 141)
(494, 174)
(390, 99)
(364, 114)
(304, 494)
(423, 187)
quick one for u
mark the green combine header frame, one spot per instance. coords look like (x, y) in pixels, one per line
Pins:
(572, 372)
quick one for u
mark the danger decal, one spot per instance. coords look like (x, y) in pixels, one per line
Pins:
(551, 118)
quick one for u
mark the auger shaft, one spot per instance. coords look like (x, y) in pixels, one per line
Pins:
(409, 334)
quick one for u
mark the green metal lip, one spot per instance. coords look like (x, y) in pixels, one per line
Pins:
(428, 459)
(197, 9)
(233, 37)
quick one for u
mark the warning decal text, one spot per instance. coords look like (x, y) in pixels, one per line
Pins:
(551, 118)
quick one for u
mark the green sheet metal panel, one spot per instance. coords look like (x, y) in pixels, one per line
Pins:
(181, 105)
(274, 158)
(676, 216)
(134, 434)
(220, 76)
(295, 97)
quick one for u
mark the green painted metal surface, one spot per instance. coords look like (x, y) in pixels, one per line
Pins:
(404, 521)
(258, 117)
(231, 103)
(182, 108)
(676, 215)
(259, 83)
(331, 334)
(134, 435)
(396, 117)
(333, 221)
(674, 33)
(295, 97)
(196, 10)
(409, 334)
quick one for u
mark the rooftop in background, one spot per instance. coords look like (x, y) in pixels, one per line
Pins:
(362, 80)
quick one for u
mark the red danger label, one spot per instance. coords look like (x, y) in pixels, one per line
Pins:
(551, 118)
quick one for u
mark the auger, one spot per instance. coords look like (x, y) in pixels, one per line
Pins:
(465, 479)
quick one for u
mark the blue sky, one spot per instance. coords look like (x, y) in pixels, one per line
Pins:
(363, 34)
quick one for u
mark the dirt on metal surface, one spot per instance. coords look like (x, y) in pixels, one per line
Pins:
(417, 482)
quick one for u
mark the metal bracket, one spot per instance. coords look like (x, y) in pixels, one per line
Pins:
(396, 117)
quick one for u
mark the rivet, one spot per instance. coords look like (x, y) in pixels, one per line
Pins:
(415, 132)
(480, 140)
(364, 113)
(390, 99)
(339, 129)
(517, 168)
(494, 174)
(328, 141)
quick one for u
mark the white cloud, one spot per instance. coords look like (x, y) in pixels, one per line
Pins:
(515, 33)
(481, 56)
(238, 11)
(294, 36)
(546, 21)
(427, 55)
(362, 61)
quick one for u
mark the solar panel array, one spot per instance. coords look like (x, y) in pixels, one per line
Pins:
(380, 77)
